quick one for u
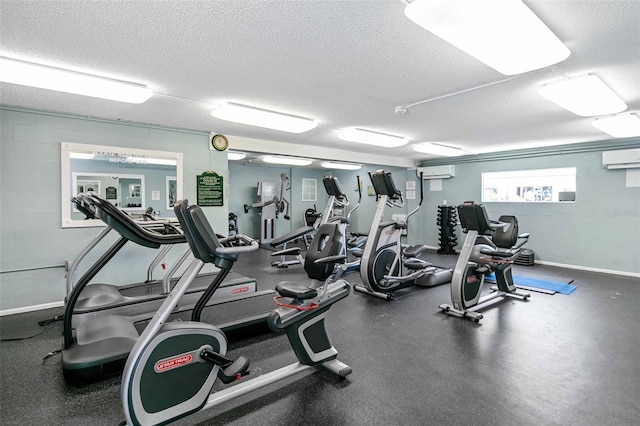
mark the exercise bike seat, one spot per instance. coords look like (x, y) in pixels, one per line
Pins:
(295, 290)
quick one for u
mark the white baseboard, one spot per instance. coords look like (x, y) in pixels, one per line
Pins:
(578, 267)
(31, 308)
(588, 268)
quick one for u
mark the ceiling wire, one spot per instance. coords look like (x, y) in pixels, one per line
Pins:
(180, 98)
(403, 109)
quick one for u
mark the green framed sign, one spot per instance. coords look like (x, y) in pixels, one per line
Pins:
(210, 189)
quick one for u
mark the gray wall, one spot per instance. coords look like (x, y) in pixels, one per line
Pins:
(600, 230)
(32, 242)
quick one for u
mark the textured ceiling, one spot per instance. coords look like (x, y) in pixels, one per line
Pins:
(343, 63)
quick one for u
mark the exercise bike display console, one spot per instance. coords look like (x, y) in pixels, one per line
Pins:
(172, 368)
(388, 265)
(481, 256)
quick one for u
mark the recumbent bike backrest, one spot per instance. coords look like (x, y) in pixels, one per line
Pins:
(506, 237)
(473, 217)
(326, 243)
(200, 236)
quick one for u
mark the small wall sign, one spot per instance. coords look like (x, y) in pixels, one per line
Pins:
(209, 188)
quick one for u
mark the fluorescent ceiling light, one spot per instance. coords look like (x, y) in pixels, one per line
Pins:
(619, 126)
(340, 166)
(82, 155)
(586, 96)
(45, 77)
(159, 161)
(234, 156)
(372, 138)
(504, 34)
(263, 118)
(291, 161)
(437, 149)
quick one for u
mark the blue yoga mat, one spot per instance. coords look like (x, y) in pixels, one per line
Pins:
(537, 283)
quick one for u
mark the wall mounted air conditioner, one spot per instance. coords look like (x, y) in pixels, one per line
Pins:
(622, 159)
(437, 172)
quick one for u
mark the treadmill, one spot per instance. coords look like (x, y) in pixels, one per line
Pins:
(140, 300)
(99, 345)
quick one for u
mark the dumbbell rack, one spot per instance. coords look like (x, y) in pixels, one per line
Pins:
(447, 221)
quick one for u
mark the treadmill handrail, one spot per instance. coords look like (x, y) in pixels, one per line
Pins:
(129, 228)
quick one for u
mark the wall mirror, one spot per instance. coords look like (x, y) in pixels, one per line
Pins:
(131, 179)
(126, 191)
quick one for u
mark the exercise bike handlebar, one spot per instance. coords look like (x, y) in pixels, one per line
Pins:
(495, 224)
(251, 245)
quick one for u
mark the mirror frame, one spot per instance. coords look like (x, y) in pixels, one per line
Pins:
(65, 172)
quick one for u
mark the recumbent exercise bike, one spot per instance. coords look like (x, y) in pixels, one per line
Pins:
(481, 256)
(173, 366)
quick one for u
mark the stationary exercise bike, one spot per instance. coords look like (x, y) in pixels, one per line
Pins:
(481, 256)
(173, 366)
(386, 264)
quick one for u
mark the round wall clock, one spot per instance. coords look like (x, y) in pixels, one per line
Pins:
(219, 142)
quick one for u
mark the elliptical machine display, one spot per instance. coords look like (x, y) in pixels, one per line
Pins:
(481, 256)
(387, 265)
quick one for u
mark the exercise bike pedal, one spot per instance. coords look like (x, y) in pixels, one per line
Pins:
(235, 371)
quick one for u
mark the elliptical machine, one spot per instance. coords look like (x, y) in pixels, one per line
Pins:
(387, 265)
(172, 368)
(337, 212)
(481, 256)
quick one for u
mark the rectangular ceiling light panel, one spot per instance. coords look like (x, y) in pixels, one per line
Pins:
(436, 149)
(372, 138)
(45, 77)
(263, 118)
(586, 96)
(340, 166)
(291, 161)
(504, 34)
(619, 126)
